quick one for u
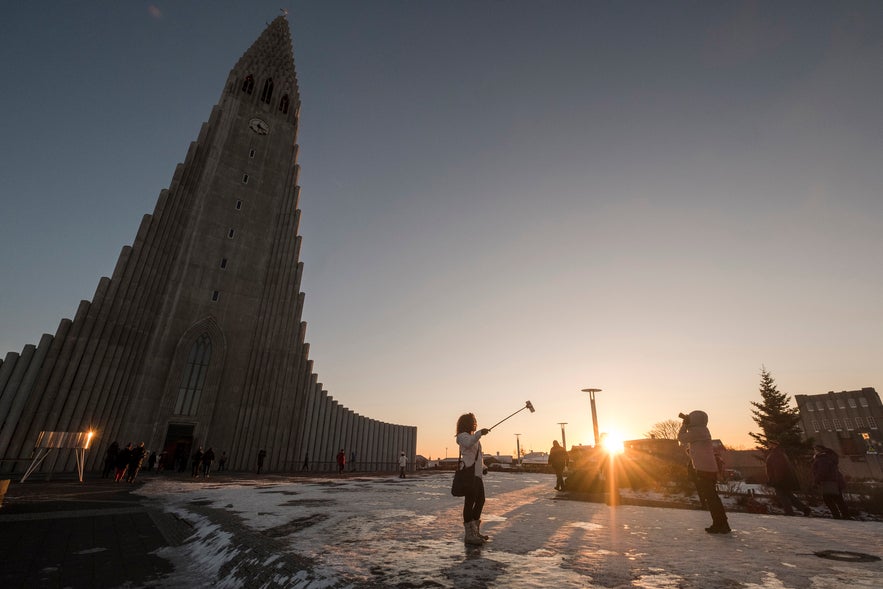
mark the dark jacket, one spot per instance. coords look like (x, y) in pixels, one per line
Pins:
(558, 457)
(825, 466)
(779, 470)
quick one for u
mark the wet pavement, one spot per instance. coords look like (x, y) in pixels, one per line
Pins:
(244, 531)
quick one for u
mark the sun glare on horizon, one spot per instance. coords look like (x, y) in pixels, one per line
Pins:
(612, 442)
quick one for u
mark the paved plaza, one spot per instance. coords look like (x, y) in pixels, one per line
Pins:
(381, 531)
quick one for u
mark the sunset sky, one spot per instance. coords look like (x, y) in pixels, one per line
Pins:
(502, 201)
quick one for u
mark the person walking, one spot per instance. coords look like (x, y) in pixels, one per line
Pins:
(110, 459)
(695, 436)
(261, 455)
(222, 462)
(306, 464)
(341, 461)
(403, 463)
(122, 462)
(558, 461)
(207, 458)
(469, 441)
(135, 460)
(826, 474)
(783, 479)
(196, 461)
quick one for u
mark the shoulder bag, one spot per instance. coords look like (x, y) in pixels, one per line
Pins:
(464, 477)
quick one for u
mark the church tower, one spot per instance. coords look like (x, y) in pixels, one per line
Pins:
(197, 339)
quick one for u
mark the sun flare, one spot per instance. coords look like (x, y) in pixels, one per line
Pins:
(612, 442)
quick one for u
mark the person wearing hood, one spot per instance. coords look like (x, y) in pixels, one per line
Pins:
(826, 474)
(783, 479)
(694, 435)
(558, 460)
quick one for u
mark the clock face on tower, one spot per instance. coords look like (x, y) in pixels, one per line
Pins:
(259, 126)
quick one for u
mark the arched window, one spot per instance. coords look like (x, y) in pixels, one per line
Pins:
(248, 84)
(194, 376)
(283, 104)
(267, 92)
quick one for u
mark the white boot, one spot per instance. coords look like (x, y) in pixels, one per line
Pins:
(472, 536)
(478, 531)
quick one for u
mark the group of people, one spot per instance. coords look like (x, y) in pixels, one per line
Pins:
(125, 463)
(201, 462)
(704, 464)
(826, 475)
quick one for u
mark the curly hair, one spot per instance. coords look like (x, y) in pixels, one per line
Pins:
(466, 423)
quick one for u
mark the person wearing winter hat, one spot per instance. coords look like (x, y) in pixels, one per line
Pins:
(783, 478)
(694, 435)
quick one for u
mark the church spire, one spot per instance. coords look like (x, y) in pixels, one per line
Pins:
(266, 70)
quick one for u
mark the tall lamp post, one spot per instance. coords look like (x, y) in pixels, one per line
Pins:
(518, 449)
(563, 438)
(594, 413)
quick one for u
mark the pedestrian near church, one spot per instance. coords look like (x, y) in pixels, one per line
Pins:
(694, 435)
(196, 461)
(261, 455)
(306, 464)
(558, 461)
(469, 441)
(341, 461)
(783, 479)
(403, 464)
(826, 475)
(222, 461)
(135, 459)
(207, 460)
(122, 462)
(110, 459)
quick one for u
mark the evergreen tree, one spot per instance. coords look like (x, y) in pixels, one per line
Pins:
(777, 419)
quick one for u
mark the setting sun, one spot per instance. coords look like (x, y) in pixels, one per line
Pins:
(612, 443)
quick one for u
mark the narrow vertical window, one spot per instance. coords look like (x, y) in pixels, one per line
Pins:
(238, 205)
(248, 84)
(223, 263)
(267, 92)
(216, 295)
(283, 104)
(231, 233)
(251, 154)
(245, 178)
(194, 376)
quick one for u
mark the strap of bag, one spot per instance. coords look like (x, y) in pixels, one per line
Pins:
(460, 459)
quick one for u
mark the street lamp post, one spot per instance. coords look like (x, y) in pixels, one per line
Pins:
(518, 449)
(594, 413)
(563, 438)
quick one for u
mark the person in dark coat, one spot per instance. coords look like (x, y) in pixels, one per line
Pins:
(207, 460)
(135, 460)
(196, 462)
(222, 462)
(341, 461)
(110, 459)
(558, 460)
(261, 455)
(783, 478)
(826, 474)
(122, 462)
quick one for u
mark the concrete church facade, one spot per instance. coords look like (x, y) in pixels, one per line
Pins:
(197, 339)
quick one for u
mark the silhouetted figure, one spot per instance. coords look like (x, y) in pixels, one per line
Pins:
(558, 461)
(306, 465)
(110, 459)
(783, 479)
(122, 462)
(207, 458)
(135, 460)
(261, 455)
(826, 474)
(196, 460)
(222, 462)
(469, 441)
(341, 461)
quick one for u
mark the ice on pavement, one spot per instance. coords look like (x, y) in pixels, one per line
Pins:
(391, 532)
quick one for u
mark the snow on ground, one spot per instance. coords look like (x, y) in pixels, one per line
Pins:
(390, 532)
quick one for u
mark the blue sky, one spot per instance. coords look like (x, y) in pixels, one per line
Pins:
(501, 201)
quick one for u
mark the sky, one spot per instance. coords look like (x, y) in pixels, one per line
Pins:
(501, 201)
